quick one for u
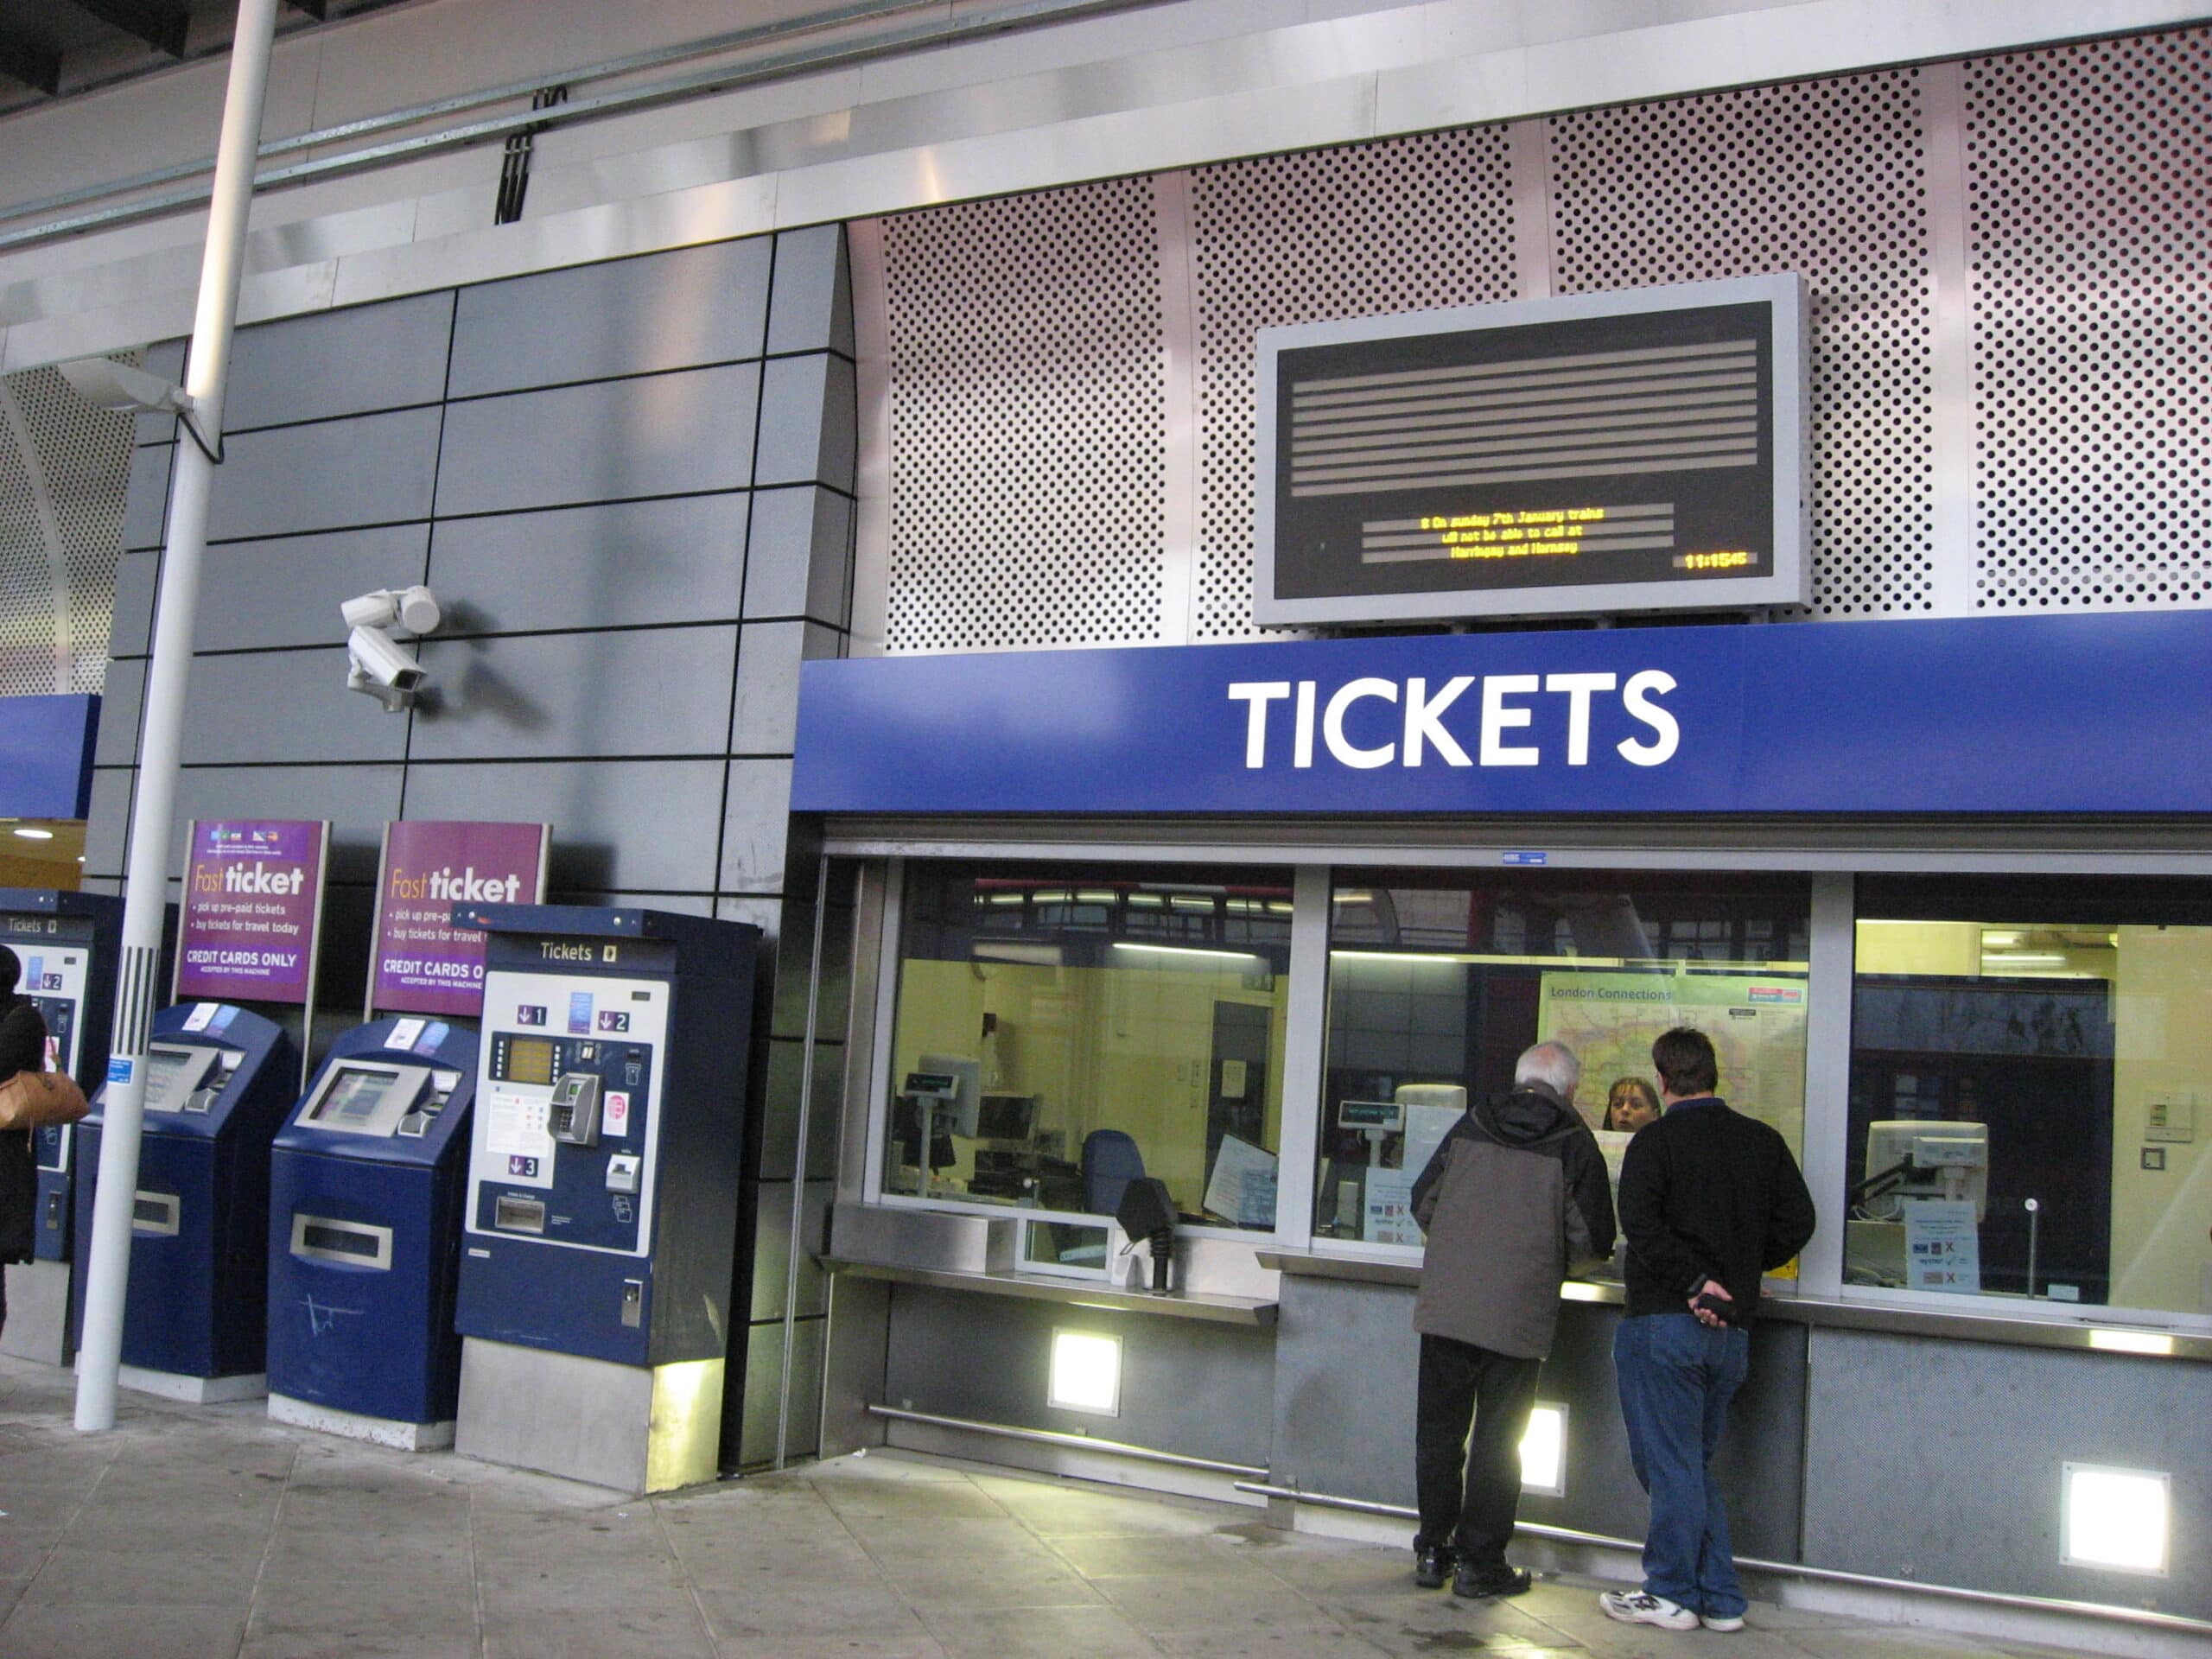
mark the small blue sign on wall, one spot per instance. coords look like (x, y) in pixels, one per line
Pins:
(2001, 715)
(46, 756)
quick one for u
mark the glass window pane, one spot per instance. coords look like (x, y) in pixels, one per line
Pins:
(1060, 1033)
(2029, 1062)
(1438, 981)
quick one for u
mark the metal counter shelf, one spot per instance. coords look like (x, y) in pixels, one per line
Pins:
(1181, 1305)
(1983, 1325)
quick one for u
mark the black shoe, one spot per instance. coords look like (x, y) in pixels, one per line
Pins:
(1432, 1566)
(1482, 1583)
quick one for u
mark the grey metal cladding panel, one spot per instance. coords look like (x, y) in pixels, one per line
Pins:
(131, 624)
(619, 826)
(1198, 1390)
(765, 716)
(632, 692)
(756, 826)
(1346, 1365)
(808, 422)
(799, 555)
(264, 705)
(359, 800)
(679, 434)
(771, 1251)
(764, 1387)
(2005, 1421)
(677, 903)
(371, 470)
(146, 498)
(107, 822)
(625, 316)
(343, 362)
(779, 1119)
(121, 701)
(813, 306)
(287, 592)
(627, 563)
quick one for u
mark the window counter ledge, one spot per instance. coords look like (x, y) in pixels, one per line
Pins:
(1185, 1305)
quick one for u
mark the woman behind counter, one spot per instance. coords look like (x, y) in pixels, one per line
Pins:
(1630, 1105)
(22, 1048)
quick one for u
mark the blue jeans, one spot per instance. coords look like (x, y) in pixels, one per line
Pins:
(1676, 1378)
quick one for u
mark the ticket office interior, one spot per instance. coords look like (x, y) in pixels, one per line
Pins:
(2033, 1046)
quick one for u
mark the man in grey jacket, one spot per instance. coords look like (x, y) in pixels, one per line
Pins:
(1514, 1198)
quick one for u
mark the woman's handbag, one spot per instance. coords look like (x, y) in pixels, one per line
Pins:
(38, 1100)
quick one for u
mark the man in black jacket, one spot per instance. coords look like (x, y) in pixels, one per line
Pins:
(1710, 1200)
(22, 1048)
(1513, 1199)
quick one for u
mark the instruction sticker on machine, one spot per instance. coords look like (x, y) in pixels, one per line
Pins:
(517, 1139)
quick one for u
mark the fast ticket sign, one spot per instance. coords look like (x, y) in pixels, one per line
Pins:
(424, 964)
(252, 904)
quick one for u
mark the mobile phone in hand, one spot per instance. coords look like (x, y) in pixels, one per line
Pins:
(1719, 1307)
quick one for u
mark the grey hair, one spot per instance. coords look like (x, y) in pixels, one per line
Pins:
(1553, 1064)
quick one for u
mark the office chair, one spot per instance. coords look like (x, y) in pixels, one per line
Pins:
(1110, 1162)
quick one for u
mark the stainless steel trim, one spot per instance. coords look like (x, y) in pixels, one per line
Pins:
(870, 617)
(940, 32)
(1305, 1037)
(1826, 1123)
(1217, 1310)
(2089, 847)
(733, 40)
(380, 1258)
(1075, 1442)
(793, 1245)
(2095, 1610)
(2121, 1337)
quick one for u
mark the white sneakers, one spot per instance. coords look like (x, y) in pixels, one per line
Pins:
(1636, 1607)
(1733, 1622)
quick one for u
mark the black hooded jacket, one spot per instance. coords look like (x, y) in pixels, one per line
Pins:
(1513, 1200)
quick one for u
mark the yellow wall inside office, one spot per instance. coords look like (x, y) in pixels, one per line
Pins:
(1118, 1048)
(2160, 1256)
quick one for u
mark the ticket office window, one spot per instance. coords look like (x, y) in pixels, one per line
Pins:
(1439, 981)
(2032, 1091)
(1058, 1032)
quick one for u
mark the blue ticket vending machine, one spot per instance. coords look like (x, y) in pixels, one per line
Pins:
(219, 1081)
(365, 1237)
(67, 943)
(605, 1159)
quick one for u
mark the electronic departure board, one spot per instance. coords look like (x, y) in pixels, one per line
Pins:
(1630, 451)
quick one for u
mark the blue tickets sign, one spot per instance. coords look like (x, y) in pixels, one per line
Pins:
(46, 755)
(2012, 715)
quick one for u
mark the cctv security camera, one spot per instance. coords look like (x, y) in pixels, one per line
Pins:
(415, 609)
(380, 668)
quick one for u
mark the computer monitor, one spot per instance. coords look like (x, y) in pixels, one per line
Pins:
(1919, 1158)
(365, 1097)
(955, 1082)
(1007, 1117)
(173, 1072)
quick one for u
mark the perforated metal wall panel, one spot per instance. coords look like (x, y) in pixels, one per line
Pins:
(2091, 285)
(1825, 178)
(64, 468)
(1028, 391)
(1414, 224)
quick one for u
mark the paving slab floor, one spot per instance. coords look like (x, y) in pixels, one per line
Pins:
(211, 1533)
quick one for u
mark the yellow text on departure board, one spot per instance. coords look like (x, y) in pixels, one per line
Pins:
(1546, 533)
